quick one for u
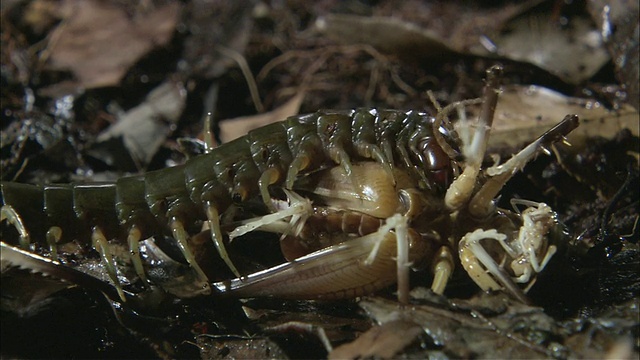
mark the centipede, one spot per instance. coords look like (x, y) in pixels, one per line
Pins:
(357, 198)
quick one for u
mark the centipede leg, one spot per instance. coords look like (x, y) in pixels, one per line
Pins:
(216, 236)
(378, 155)
(101, 245)
(270, 176)
(133, 239)
(299, 163)
(54, 234)
(442, 270)
(181, 236)
(345, 161)
(7, 212)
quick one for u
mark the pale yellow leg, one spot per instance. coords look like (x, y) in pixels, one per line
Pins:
(54, 234)
(270, 176)
(181, 236)
(298, 164)
(101, 245)
(381, 158)
(442, 270)
(133, 239)
(7, 212)
(216, 236)
(345, 162)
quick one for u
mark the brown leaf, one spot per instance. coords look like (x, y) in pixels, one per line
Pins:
(573, 53)
(421, 29)
(466, 332)
(525, 112)
(98, 41)
(145, 127)
(393, 36)
(234, 128)
(384, 341)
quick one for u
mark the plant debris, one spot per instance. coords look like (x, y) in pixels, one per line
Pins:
(95, 90)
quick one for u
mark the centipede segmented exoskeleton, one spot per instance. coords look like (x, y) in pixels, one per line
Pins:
(359, 196)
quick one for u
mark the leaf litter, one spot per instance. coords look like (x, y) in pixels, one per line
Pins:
(99, 41)
(592, 185)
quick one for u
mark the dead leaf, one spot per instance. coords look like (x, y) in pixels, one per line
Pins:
(421, 29)
(234, 128)
(387, 34)
(144, 128)
(99, 41)
(493, 326)
(525, 112)
(574, 53)
(385, 341)
(468, 333)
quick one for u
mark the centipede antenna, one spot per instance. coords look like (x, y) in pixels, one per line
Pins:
(442, 114)
(246, 71)
(434, 101)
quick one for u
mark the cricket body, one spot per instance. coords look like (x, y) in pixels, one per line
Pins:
(359, 197)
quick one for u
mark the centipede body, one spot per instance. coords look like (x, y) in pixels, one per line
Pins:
(269, 157)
